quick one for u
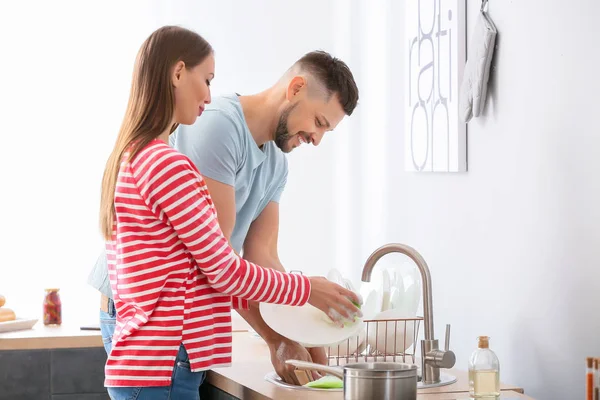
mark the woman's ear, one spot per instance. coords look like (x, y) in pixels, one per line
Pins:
(177, 71)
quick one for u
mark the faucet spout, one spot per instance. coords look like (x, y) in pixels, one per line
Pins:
(425, 277)
(432, 358)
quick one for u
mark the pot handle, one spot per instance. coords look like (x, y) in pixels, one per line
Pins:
(309, 366)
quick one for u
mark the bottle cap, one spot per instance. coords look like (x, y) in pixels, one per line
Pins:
(595, 363)
(590, 362)
(52, 290)
(484, 342)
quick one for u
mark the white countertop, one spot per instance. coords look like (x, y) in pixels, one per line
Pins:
(251, 362)
(70, 335)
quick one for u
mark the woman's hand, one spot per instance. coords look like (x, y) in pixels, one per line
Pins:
(337, 302)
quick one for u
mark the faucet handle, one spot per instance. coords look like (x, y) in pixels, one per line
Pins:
(439, 358)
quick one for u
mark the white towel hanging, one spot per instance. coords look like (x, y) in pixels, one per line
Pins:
(473, 90)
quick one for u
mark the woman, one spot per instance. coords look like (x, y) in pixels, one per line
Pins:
(173, 274)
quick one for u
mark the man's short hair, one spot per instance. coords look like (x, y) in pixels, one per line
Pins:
(334, 75)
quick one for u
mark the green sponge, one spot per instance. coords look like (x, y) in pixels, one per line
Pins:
(326, 382)
(326, 318)
(347, 324)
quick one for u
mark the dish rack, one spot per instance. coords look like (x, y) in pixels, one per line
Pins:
(366, 348)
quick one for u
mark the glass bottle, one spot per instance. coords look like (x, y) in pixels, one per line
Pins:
(52, 308)
(589, 379)
(484, 371)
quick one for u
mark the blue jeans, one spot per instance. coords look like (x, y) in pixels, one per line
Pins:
(185, 384)
(107, 325)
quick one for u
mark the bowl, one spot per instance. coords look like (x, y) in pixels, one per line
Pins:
(391, 337)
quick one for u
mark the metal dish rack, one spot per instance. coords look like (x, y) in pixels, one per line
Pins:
(377, 351)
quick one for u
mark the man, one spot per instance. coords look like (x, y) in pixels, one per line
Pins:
(238, 145)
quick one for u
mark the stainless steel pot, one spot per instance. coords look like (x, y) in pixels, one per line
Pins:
(373, 380)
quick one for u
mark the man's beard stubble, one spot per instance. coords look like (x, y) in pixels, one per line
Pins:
(282, 135)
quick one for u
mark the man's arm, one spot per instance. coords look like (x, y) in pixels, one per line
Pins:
(260, 247)
(223, 197)
(213, 143)
(261, 240)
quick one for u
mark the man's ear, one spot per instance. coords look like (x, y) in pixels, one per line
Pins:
(296, 87)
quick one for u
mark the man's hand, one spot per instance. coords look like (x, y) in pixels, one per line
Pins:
(318, 355)
(285, 349)
(260, 247)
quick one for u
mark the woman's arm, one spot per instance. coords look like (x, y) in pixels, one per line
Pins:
(174, 191)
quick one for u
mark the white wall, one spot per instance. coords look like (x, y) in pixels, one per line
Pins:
(510, 243)
(65, 85)
(513, 243)
(66, 70)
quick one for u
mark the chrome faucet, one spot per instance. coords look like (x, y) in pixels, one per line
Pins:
(432, 358)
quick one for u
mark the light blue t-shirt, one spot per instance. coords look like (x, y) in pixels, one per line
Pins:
(223, 149)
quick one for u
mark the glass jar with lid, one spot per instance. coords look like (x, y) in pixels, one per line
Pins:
(52, 308)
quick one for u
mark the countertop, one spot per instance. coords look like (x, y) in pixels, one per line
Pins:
(70, 335)
(46, 337)
(251, 362)
(245, 379)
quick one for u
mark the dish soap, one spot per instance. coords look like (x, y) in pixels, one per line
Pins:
(484, 371)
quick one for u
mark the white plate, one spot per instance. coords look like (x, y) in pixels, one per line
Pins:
(412, 293)
(307, 325)
(373, 299)
(18, 324)
(386, 289)
(372, 305)
(335, 276)
(348, 347)
(274, 378)
(397, 292)
(390, 337)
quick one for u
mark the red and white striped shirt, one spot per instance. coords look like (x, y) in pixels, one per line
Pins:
(173, 273)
